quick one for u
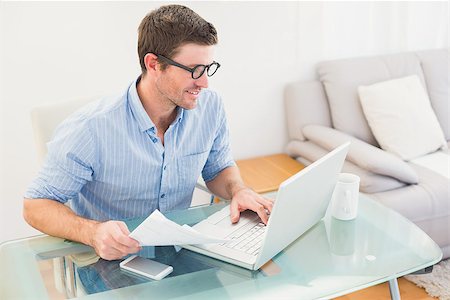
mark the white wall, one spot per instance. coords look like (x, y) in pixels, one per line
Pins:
(55, 51)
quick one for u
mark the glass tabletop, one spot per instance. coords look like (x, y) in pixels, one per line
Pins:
(331, 259)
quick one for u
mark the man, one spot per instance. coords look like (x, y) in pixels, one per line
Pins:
(144, 150)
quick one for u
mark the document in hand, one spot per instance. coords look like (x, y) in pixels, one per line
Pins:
(157, 230)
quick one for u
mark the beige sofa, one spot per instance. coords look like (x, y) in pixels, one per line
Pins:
(322, 114)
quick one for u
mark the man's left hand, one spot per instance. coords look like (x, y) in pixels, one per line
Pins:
(247, 199)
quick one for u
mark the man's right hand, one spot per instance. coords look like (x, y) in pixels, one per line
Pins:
(111, 241)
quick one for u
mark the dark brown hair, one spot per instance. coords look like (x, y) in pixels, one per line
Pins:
(165, 29)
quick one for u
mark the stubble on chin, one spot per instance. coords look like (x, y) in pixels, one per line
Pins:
(192, 104)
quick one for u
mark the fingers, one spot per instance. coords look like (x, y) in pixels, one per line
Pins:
(111, 254)
(250, 200)
(262, 207)
(123, 227)
(234, 211)
(123, 238)
(112, 241)
(261, 211)
(267, 203)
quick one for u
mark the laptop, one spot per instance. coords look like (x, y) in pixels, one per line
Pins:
(301, 202)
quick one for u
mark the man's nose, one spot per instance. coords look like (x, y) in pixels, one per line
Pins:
(202, 81)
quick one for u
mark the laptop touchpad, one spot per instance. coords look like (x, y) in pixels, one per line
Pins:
(246, 217)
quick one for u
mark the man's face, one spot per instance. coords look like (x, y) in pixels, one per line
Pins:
(176, 85)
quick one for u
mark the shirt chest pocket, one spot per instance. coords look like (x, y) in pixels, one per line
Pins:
(190, 166)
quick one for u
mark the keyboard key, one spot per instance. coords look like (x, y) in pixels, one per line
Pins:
(248, 238)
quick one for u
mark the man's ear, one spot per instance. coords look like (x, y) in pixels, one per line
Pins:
(151, 62)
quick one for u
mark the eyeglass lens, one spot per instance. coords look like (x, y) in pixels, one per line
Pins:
(200, 69)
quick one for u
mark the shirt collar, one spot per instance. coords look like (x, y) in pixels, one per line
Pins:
(141, 116)
(180, 114)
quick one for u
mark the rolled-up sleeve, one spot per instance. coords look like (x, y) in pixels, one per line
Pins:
(220, 156)
(68, 166)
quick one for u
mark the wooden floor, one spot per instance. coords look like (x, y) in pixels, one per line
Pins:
(408, 291)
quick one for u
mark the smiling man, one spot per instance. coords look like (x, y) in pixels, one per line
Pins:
(126, 156)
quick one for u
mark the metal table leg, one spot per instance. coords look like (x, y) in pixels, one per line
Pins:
(393, 288)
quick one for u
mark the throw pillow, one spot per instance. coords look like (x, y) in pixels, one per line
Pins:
(400, 116)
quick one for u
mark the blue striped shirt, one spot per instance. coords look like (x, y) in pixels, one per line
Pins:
(107, 159)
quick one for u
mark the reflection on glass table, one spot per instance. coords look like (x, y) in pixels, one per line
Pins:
(333, 258)
(71, 278)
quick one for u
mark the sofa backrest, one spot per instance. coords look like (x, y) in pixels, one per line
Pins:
(338, 104)
(305, 103)
(435, 65)
(341, 79)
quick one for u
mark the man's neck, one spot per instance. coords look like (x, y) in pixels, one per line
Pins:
(161, 112)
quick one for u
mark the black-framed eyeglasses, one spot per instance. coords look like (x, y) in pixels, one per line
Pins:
(197, 71)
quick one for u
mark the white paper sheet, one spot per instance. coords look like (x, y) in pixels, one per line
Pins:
(157, 230)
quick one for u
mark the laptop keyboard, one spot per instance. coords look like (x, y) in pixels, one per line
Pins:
(247, 238)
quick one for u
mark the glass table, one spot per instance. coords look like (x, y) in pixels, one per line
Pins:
(332, 259)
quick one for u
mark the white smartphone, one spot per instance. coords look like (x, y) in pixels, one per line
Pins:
(146, 267)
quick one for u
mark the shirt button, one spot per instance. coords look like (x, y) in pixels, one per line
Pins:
(165, 167)
(163, 195)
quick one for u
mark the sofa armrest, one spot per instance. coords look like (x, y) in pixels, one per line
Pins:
(362, 154)
(370, 182)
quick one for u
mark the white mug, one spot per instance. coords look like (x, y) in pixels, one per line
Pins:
(345, 197)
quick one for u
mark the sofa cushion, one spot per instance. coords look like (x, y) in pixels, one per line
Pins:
(426, 203)
(435, 65)
(370, 182)
(438, 162)
(362, 154)
(342, 77)
(401, 118)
